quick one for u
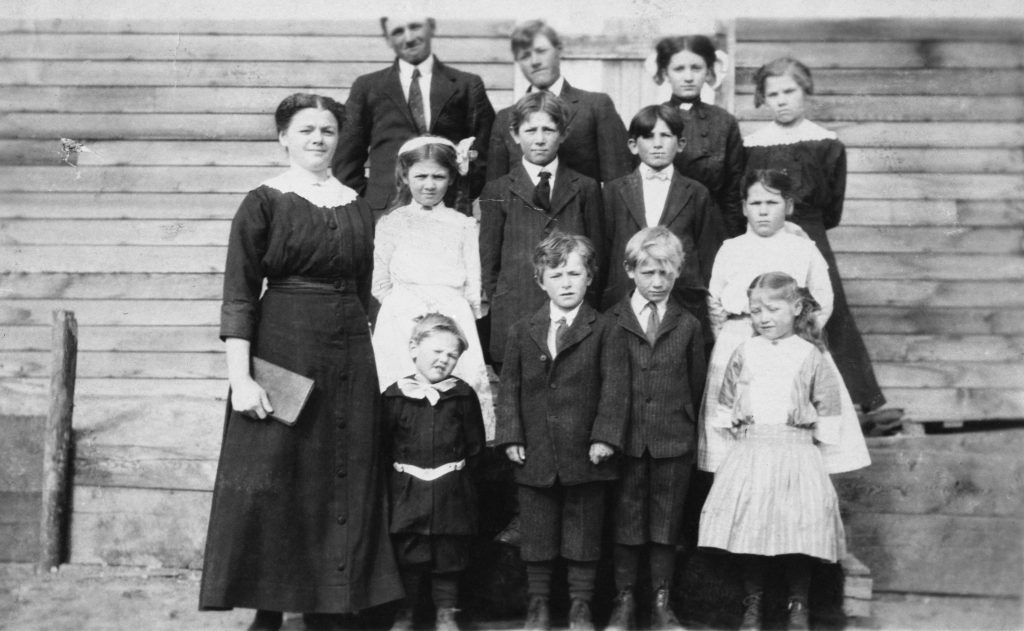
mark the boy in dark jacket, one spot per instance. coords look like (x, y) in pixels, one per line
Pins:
(561, 416)
(434, 434)
(538, 196)
(667, 371)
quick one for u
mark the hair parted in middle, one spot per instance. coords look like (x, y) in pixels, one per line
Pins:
(655, 243)
(772, 179)
(441, 152)
(779, 68)
(668, 47)
(784, 287)
(539, 101)
(431, 323)
(555, 249)
(293, 103)
(644, 121)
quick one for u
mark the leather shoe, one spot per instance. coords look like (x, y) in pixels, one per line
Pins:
(624, 614)
(662, 616)
(403, 620)
(538, 618)
(266, 620)
(798, 619)
(579, 616)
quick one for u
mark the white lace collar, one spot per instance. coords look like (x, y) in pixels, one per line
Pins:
(328, 193)
(775, 134)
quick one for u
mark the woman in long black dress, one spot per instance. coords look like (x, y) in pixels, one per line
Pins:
(815, 161)
(713, 153)
(298, 520)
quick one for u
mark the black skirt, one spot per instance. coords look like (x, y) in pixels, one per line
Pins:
(299, 515)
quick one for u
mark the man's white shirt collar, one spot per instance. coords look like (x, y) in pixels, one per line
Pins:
(533, 170)
(555, 88)
(639, 303)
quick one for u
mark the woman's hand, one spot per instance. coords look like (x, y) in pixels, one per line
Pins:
(516, 453)
(249, 398)
(599, 452)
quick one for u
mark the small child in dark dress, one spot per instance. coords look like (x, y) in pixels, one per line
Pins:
(434, 433)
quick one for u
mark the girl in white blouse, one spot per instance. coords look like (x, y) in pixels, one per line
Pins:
(427, 259)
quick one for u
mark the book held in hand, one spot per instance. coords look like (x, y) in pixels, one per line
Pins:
(288, 391)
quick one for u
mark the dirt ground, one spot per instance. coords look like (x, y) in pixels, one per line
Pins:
(94, 598)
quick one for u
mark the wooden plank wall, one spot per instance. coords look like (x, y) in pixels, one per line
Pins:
(176, 126)
(931, 241)
(176, 121)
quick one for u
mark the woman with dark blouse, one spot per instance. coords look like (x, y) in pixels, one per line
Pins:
(815, 161)
(298, 520)
(713, 153)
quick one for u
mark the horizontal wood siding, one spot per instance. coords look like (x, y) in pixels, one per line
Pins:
(175, 122)
(932, 238)
(930, 249)
(174, 119)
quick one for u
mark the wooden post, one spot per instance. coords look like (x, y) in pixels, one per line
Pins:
(727, 91)
(57, 441)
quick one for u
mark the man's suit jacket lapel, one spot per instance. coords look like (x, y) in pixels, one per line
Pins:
(580, 329)
(566, 188)
(539, 325)
(632, 195)
(673, 315)
(627, 319)
(393, 89)
(571, 97)
(442, 87)
(679, 193)
(521, 186)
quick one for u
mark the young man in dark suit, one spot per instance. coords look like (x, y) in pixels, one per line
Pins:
(537, 196)
(657, 194)
(561, 416)
(416, 95)
(667, 372)
(595, 142)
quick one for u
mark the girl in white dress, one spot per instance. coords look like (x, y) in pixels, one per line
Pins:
(772, 500)
(767, 246)
(427, 259)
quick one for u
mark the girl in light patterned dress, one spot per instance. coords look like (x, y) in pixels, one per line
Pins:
(772, 500)
(426, 259)
(769, 245)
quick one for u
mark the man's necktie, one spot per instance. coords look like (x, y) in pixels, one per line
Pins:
(416, 102)
(653, 322)
(560, 332)
(542, 192)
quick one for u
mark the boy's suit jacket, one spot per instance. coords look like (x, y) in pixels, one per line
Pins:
(687, 213)
(378, 121)
(595, 143)
(666, 381)
(557, 408)
(511, 227)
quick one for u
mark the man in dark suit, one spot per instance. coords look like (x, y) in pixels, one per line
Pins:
(596, 141)
(416, 95)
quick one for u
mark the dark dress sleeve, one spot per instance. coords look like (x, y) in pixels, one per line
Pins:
(243, 270)
(731, 201)
(835, 162)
